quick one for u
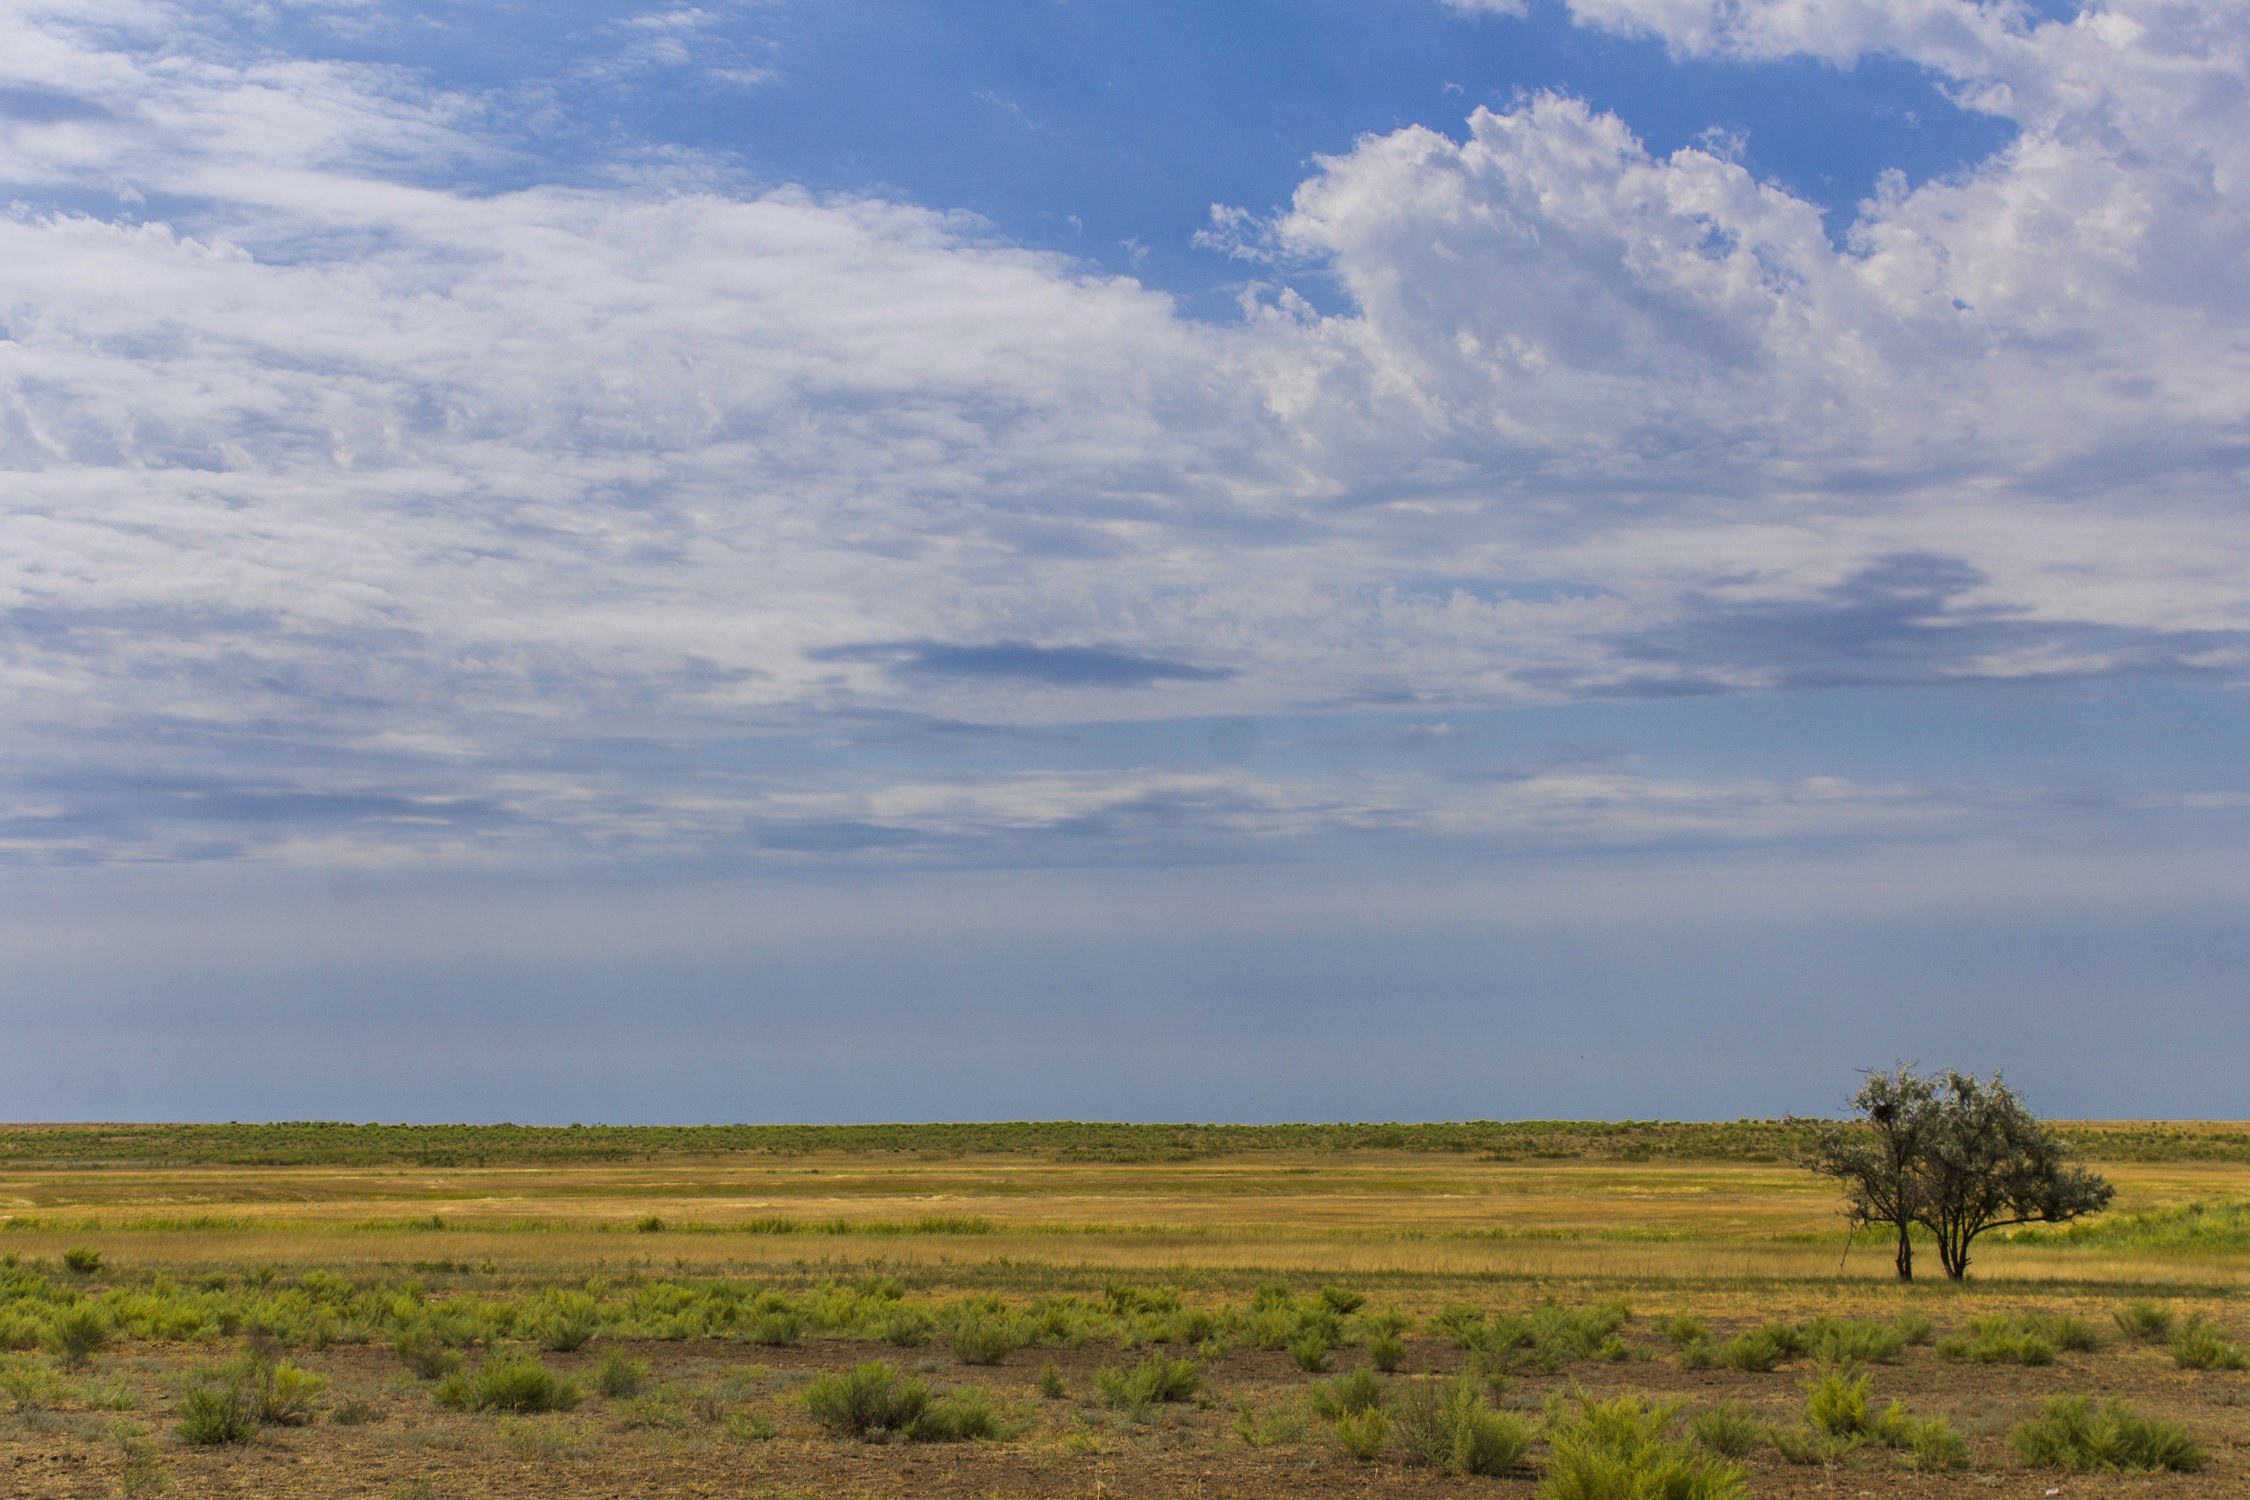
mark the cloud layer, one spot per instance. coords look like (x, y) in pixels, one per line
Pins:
(358, 510)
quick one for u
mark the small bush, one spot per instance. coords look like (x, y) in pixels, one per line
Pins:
(618, 1377)
(1051, 1383)
(1342, 1302)
(281, 1395)
(1618, 1450)
(1838, 1405)
(1936, 1447)
(966, 1415)
(2072, 1432)
(2144, 1320)
(1759, 1350)
(2066, 1331)
(1727, 1429)
(214, 1415)
(1309, 1351)
(1386, 1352)
(648, 1224)
(1683, 1329)
(776, 1328)
(905, 1325)
(1363, 1434)
(871, 1401)
(520, 1384)
(82, 1260)
(749, 1427)
(77, 1333)
(1153, 1381)
(1840, 1341)
(985, 1341)
(1453, 1427)
(565, 1321)
(426, 1354)
(2199, 1346)
(1809, 1445)
(1346, 1395)
(1998, 1341)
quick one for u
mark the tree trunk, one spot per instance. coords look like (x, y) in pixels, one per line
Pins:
(1905, 1254)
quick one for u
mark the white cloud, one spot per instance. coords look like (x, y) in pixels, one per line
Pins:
(306, 451)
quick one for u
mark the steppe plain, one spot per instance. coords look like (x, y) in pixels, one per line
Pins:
(723, 1270)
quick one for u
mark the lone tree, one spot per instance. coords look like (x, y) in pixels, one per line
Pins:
(1955, 1154)
(1880, 1158)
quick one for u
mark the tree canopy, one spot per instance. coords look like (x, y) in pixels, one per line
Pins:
(1955, 1155)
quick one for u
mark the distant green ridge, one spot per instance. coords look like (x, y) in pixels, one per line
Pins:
(327, 1143)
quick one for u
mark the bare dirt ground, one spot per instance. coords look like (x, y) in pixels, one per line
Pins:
(378, 1434)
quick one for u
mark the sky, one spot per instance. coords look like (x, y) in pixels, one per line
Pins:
(1404, 559)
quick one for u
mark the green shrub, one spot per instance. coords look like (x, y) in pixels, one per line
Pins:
(2066, 1331)
(1683, 1329)
(214, 1415)
(1363, 1434)
(2199, 1346)
(1936, 1447)
(518, 1384)
(1809, 1445)
(1154, 1380)
(749, 1427)
(1838, 1405)
(1051, 1383)
(1758, 1349)
(870, 1401)
(2145, 1320)
(2072, 1432)
(776, 1327)
(905, 1325)
(1340, 1301)
(985, 1341)
(564, 1321)
(82, 1260)
(278, 1394)
(1346, 1395)
(965, 1415)
(1618, 1450)
(1840, 1341)
(1727, 1429)
(618, 1377)
(428, 1356)
(1310, 1351)
(1915, 1324)
(1551, 1334)
(1453, 1427)
(76, 1333)
(1998, 1340)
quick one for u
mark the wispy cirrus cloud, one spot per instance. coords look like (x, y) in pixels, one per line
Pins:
(372, 492)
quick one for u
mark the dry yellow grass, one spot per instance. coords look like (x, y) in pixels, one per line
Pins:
(1436, 1218)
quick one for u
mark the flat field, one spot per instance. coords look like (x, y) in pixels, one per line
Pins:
(697, 1290)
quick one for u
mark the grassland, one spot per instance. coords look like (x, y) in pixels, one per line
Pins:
(738, 1264)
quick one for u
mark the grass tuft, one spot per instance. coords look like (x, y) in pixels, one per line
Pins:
(1453, 1427)
(2073, 1432)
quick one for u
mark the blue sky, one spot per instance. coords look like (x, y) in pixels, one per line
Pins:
(1445, 558)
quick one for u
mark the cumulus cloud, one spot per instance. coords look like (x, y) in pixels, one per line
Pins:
(401, 516)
